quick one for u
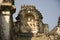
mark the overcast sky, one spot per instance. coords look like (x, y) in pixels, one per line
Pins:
(50, 10)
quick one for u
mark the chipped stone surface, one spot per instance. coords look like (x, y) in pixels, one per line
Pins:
(29, 24)
(7, 8)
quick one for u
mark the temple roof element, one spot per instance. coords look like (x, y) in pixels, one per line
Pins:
(30, 9)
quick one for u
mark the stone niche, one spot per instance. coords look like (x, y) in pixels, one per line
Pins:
(30, 25)
(29, 19)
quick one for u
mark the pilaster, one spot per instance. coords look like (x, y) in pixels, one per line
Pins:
(7, 8)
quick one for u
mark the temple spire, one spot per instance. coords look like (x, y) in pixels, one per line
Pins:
(58, 22)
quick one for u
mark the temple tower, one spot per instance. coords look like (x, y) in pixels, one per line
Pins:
(7, 8)
(30, 20)
(59, 22)
(58, 27)
(29, 25)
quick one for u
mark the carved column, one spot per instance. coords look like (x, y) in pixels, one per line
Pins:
(6, 11)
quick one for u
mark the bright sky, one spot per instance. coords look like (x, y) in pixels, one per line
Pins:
(50, 10)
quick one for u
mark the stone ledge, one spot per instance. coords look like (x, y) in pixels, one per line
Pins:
(8, 4)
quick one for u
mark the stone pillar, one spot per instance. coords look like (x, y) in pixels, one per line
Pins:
(6, 11)
(6, 24)
(5, 20)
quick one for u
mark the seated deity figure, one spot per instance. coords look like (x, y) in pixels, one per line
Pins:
(32, 25)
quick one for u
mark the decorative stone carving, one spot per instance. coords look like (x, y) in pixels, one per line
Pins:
(29, 19)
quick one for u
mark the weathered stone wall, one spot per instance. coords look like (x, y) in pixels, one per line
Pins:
(39, 37)
(33, 38)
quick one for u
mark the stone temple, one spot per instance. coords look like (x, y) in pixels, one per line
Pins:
(29, 24)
